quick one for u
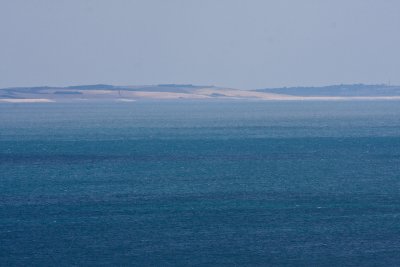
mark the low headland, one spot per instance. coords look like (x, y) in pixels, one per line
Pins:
(103, 92)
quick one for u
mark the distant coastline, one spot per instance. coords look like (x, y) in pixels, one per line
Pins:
(104, 92)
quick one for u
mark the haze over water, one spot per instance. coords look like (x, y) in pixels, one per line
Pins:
(200, 183)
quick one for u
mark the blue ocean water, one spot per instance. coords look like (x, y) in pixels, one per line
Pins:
(200, 184)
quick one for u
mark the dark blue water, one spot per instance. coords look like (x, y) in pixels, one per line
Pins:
(200, 184)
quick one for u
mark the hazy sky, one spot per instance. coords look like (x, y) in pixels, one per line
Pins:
(242, 43)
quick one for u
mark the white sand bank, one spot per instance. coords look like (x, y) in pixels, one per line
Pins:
(26, 100)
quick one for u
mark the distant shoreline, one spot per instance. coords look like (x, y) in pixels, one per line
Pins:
(303, 99)
(110, 93)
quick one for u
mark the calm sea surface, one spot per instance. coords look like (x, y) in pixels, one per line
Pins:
(200, 184)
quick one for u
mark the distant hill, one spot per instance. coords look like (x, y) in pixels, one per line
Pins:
(349, 90)
(92, 87)
(106, 92)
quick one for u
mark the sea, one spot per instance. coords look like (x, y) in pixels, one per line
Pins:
(197, 183)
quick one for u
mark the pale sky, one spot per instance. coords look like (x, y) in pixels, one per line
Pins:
(236, 43)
